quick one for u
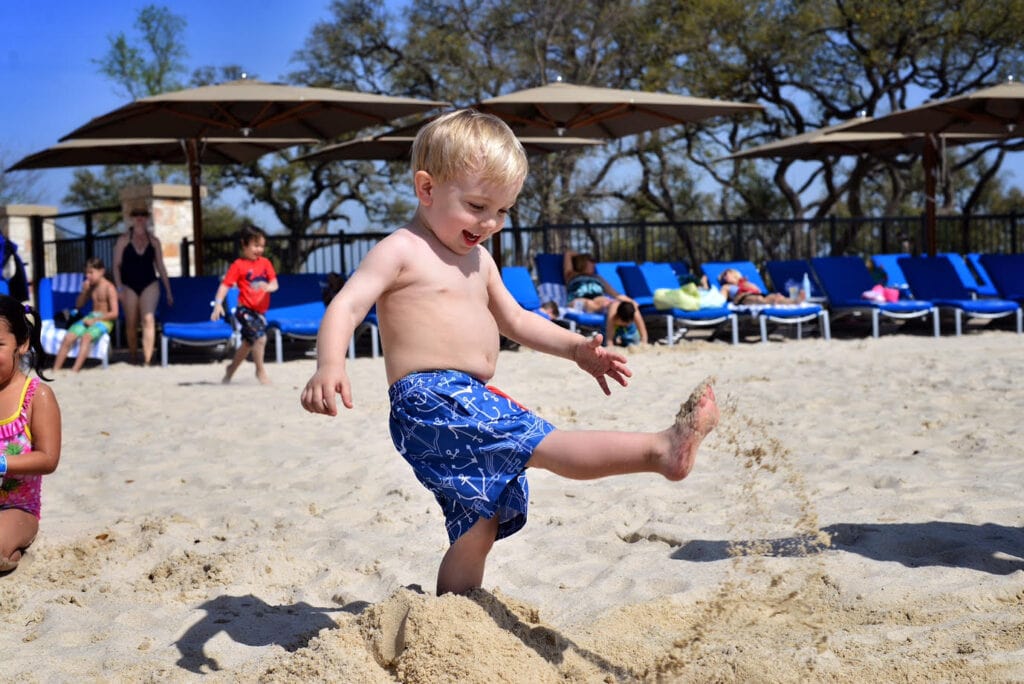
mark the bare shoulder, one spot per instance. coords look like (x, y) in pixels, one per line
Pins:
(401, 248)
(44, 397)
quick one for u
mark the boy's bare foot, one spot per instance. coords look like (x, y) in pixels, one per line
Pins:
(263, 378)
(696, 418)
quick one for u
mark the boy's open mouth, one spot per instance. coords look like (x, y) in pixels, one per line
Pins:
(470, 238)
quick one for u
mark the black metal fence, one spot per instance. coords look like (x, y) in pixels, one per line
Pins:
(692, 241)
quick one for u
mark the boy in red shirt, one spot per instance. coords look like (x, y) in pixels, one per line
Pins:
(255, 278)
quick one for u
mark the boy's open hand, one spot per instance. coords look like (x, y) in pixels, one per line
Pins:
(319, 393)
(599, 362)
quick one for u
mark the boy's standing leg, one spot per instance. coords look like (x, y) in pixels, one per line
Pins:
(462, 567)
(259, 347)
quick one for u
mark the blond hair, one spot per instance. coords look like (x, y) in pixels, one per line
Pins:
(469, 141)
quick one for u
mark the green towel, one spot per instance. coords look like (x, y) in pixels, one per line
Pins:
(686, 298)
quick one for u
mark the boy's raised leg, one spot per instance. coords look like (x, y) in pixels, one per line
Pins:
(585, 455)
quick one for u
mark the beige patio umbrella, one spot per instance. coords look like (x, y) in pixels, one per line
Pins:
(246, 108)
(848, 137)
(110, 152)
(397, 147)
(561, 108)
(997, 111)
(838, 140)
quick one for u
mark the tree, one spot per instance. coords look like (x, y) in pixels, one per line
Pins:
(148, 64)
(18, 187)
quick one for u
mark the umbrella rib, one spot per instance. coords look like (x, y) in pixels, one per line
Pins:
(296, 111)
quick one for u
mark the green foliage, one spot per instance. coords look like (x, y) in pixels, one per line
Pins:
(811, 63)
(152, 63)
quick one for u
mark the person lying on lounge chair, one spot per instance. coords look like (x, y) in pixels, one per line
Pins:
(739, 290)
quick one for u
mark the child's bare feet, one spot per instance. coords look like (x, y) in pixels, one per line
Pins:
(696, 418)
(263, 377)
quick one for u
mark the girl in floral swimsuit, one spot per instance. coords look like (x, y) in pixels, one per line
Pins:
(29, 431)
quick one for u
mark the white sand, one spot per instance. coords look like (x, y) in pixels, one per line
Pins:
(200, 532)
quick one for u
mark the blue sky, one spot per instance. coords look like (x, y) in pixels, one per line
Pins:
(51, 84)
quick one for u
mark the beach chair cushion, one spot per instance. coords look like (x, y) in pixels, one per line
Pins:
(936, 280)
(968, 278)
(1006, 272)
(188, 322)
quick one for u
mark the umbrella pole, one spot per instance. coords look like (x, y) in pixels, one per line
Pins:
(194, 179)
(931, 164)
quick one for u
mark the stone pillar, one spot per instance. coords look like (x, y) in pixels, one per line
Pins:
(16, 226)
(170, 208)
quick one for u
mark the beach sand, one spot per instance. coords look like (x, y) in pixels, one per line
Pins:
(855, 517)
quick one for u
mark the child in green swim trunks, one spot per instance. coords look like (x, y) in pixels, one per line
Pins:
(98, 322)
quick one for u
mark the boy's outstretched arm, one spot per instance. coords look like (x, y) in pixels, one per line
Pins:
(537, 332)
(345, 312)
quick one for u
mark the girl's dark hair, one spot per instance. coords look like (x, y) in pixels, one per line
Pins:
(249, 233)
(23, 322)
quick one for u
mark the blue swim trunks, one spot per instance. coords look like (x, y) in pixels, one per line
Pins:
(253, 324)
(468, 445)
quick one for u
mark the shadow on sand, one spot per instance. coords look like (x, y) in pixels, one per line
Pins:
(991, 548)
(251, 621)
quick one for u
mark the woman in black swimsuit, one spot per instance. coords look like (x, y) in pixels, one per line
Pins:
(138, 268)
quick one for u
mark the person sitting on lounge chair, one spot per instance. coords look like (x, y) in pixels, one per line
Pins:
(585, 289)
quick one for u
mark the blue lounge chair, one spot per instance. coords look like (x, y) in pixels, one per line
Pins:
(846, 278)
(640, 283)
(609, 270)
(1007, 274)
(188, 321)
(681, 268)
(936, 280)
(551, 287)
(982, 276)
(889, 264)
(297, 309)
(785, 271)
(783, 314)
(61, 292)
(968, 278)
(520, 285)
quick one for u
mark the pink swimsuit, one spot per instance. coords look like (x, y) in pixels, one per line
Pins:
(20, 491)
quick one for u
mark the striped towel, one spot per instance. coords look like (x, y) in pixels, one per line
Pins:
(67, 282)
